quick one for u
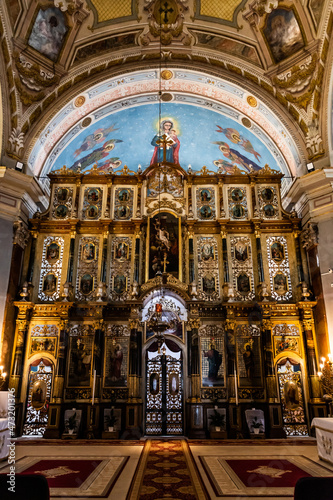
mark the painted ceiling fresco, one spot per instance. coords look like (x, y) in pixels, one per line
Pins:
(198, 137)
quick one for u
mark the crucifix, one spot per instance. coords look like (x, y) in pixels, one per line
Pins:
(164, 142)
(165, 261)
(165, 10)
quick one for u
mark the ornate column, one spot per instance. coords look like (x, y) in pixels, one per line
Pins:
(225, 256)
(194, 359)
(135, 361)
(261, 276)
(16, 374)
(309, 240)
(269, 357)
(52, 430)
(310, 348)
(21, 238)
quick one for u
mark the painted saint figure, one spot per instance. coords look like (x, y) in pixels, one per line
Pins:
(248, 357)
(116, 359)
(215, 361)
(172, 150)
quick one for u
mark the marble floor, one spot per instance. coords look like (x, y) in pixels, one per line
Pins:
(209, 450)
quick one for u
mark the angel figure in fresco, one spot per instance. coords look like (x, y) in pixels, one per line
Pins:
(172, 149)
(234, 136)
(236, 157)
(93, 139)
(96, 155)
(224, 167)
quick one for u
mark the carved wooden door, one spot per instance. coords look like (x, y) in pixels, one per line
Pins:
(164, 396)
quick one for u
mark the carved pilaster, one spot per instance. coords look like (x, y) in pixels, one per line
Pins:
(310, 347)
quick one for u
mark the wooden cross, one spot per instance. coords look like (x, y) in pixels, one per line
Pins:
(164, 142)
(165, 262)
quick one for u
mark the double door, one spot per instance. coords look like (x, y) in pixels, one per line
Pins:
(164, 395)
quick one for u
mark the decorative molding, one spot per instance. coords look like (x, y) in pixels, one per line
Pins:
(285, 329)
(309, 235)
(21, 234)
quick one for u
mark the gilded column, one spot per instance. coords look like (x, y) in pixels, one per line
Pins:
(310, 348)
(22, 324)
(230, 325)
(135, 362)
(269, 358)
(194, 359)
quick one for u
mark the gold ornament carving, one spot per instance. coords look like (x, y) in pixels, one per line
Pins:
(230, 324)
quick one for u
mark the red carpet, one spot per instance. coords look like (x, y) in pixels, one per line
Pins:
(91, 477)
(64, 473)
(262, 476)
(267, 473)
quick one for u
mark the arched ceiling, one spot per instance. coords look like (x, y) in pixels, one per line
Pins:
(222, 56)
(207, 114)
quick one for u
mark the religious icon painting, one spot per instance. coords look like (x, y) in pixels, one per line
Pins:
(238, 211)
(269, 210)
(280, 283)
(212, 369)
(206, 212)
(124, 195)
(92, 212)
(61, 211)
(62, 194)
(164, 245)
(205, 195)
(154, 384)
(173, 384)
(243, 284)
(286, 344)
(267, 194)
(283, 33)
(208, 284)
(40, 344)
(48, 32)
(86, 284)
(93, 195)
(277, 252)
(237, 194)
(38, 394)
(115, 362)
(52, 253)
(121, 251)
(88, 252)
(123, 212)
(241, 251)
(119, 284)
(291, 395)
(50, 284)
(248, 361)
(207, 252)
(80, 358)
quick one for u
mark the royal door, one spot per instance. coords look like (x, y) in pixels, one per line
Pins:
(164, 393)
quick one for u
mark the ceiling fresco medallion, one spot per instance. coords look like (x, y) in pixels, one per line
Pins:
(79, 101)
(252, 101)
(166, 74)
